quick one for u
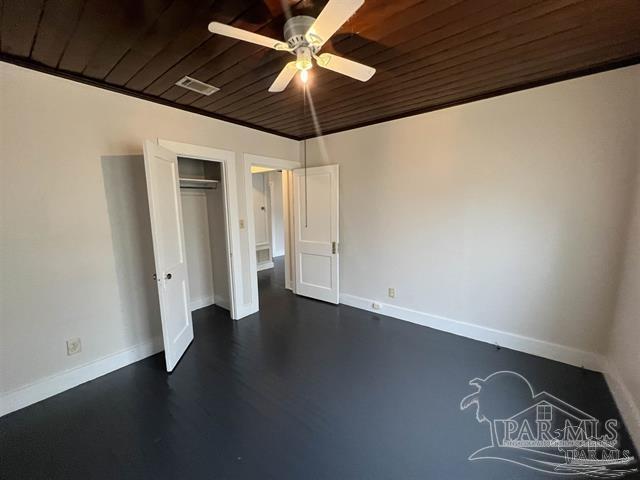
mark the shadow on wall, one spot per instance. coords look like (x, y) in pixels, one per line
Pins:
(126, 195)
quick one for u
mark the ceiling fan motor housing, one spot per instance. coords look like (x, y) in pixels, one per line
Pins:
(294, 32)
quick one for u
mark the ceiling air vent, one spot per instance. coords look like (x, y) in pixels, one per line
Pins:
(197, 86)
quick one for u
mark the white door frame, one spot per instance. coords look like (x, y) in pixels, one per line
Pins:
(227, 160)
(248, 160)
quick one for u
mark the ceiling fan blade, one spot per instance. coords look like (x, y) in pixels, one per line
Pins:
(345, 67)
(245, 35)
(284, 77)
(331, 18)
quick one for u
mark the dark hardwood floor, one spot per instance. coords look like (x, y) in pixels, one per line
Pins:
(302, 390)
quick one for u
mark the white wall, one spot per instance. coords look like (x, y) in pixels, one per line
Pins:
(74, 222)
(260, 208)
(623, 352)
(507, 214)
(277, 213)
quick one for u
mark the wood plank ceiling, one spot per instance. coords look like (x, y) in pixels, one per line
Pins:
(429, 54)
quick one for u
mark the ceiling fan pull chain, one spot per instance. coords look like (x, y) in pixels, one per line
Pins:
(304, 115)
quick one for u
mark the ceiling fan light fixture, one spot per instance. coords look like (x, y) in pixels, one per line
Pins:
(303, 59)
(304, 75)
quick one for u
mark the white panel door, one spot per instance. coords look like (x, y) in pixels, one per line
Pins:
(163, 190)
(315, 220)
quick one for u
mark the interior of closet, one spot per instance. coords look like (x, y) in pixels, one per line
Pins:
(204, 223)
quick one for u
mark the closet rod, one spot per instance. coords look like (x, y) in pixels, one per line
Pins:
(199, 188)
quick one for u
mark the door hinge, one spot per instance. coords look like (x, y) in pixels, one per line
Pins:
(334, 248)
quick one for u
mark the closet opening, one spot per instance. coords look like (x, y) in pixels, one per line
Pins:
(204, 221)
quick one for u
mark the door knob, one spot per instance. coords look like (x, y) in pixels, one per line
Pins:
(168, 276)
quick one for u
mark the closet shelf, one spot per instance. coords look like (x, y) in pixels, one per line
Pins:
(197, 180)
(203, 183)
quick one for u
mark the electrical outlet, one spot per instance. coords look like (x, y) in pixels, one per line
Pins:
(376, 306)
(392, 292)
(74, 346)
(241, 223)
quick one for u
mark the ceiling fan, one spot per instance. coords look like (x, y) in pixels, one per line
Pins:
(305, 36)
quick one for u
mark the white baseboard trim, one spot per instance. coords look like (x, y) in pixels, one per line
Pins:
(223, 302)
(264, 266)
(201, 303)
(245, 310)
(625, 402)
(59, 382)
(541, 348)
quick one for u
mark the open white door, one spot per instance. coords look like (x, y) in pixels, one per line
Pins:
(163, 190)
(315, 221)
